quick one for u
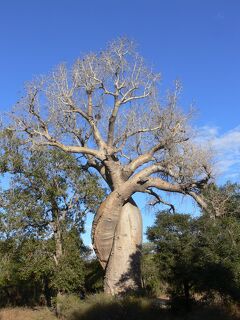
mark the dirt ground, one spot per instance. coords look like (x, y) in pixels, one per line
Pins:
(26, 314)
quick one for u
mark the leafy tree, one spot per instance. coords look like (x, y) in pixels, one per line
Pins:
(43, 212)
(197, 255)
(218, 245)
(174, 237)
(70, 273)
(28, 270)
(107, 109)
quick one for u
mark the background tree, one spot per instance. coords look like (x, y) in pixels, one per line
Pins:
(175, 239)
(43, 212)
(200, 255)
(151, 282)
(106, 108)
(222, 200)
(29, 274)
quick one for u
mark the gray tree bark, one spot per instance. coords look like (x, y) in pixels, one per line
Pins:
(123, 267)
(118, 244)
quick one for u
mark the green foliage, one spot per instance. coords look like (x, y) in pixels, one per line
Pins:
(152, 284)
(11, 157)
(70, 273)
(42, 217)
(199, 255)
(173, 236)
(218, 247)
(94, 276)
(30, 265)
(35, 257)
(49, 179)
(8, 269)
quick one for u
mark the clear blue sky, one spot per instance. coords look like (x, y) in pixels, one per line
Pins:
(197, 41)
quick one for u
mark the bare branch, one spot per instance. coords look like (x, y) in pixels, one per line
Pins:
(112, 121)
(127, 135)
(88, 117)
(107, 108)
(166, 186)
(160, 200)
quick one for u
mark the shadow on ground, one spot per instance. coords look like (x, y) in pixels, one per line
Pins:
(143, 309)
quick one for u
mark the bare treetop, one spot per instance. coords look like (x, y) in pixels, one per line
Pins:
(107, 108)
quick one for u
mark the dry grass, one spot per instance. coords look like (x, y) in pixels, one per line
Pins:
(26, 314)
(101, 307)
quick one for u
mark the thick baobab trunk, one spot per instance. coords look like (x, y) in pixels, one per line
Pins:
(123, 268)
(117, 237)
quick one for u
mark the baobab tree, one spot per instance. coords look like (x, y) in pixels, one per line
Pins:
(107, 109)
